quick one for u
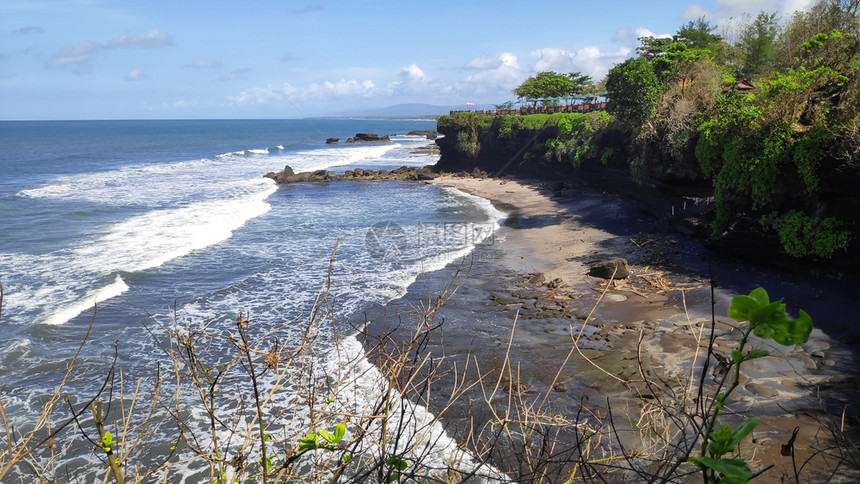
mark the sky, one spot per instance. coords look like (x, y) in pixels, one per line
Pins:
(190, 59)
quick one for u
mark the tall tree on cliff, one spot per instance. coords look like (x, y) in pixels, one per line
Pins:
(551, 84)
(759, 45)
(699, 34)
(633, 91)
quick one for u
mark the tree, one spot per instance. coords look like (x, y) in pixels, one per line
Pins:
(676, 60)
(633, 90)
(758, 45)
(652, 47)
(698, 34)
(551, 84)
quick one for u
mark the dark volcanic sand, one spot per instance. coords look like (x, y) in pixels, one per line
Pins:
(559, 234)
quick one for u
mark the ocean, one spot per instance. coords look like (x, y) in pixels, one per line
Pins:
(152, 220)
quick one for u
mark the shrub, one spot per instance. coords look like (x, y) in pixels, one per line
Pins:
(802, 235)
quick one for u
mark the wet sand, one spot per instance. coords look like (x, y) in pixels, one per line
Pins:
(530, 288)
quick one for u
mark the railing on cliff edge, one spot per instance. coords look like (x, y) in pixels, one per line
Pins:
(571, 108)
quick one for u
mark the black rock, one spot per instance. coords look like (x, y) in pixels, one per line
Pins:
(606, 269)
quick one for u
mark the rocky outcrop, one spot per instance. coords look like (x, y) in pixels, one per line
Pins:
(331, 141)
(403, 173)
(368, 137)
(430, 134)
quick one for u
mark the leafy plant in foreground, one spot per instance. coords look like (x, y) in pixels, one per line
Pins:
(767, 320)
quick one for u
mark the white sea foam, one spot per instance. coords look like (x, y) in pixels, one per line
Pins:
(340, 156)
(92, 298)
(363, 382)
(425, 436)
(495, 215)
(151, 239)
(46, 191)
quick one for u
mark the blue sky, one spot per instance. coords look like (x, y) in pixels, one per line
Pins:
(139, 59)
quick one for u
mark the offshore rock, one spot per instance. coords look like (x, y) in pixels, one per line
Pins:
(367, 137)
(606, 269)
(357, 174)
(430, 134)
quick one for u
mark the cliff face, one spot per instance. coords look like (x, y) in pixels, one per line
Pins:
(521, 154)
(785, 231)
(528, 146)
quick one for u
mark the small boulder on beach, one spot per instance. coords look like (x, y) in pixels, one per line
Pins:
(606, 269)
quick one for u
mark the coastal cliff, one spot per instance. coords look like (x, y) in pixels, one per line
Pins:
(793, 226)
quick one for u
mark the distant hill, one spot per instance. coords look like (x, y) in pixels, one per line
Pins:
(410, 110)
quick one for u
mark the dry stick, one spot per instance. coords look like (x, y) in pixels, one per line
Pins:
(99, 421)
(700, 402)
(698, 344)
(240, 325)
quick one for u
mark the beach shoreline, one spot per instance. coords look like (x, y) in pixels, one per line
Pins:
(531, 287)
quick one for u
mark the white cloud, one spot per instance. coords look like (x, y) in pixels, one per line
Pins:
(315, 92)
(588, 60)
(153, 38)
(237, 74)
(726, 9)
(483, 63)
(623, 36)
(413, 73)
(135, 75)
(23, 31)
(205, 63)
(695, 11)
(342, 89)
(643, 32)
(413, 82)
(78, 57)
(308, 9)
(495, 76)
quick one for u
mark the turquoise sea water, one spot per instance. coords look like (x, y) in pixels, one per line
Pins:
(147, 217)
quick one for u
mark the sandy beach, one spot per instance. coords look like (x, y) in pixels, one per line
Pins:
(531, 288)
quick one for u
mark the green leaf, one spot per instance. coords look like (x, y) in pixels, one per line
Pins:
(310, 442)
(720, 441)
(397, 463)
(737, 356)
(327, 436)
(346, 458)
(784, 330)
(339, 432)
(741, 306)
(757, 354)
(768, 319)
(267, 437)
(743, 430)
(107, 441)
(735, 471)
(760, 295)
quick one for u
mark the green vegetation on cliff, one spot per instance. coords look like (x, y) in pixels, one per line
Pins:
(567, 137)
(771, 121)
